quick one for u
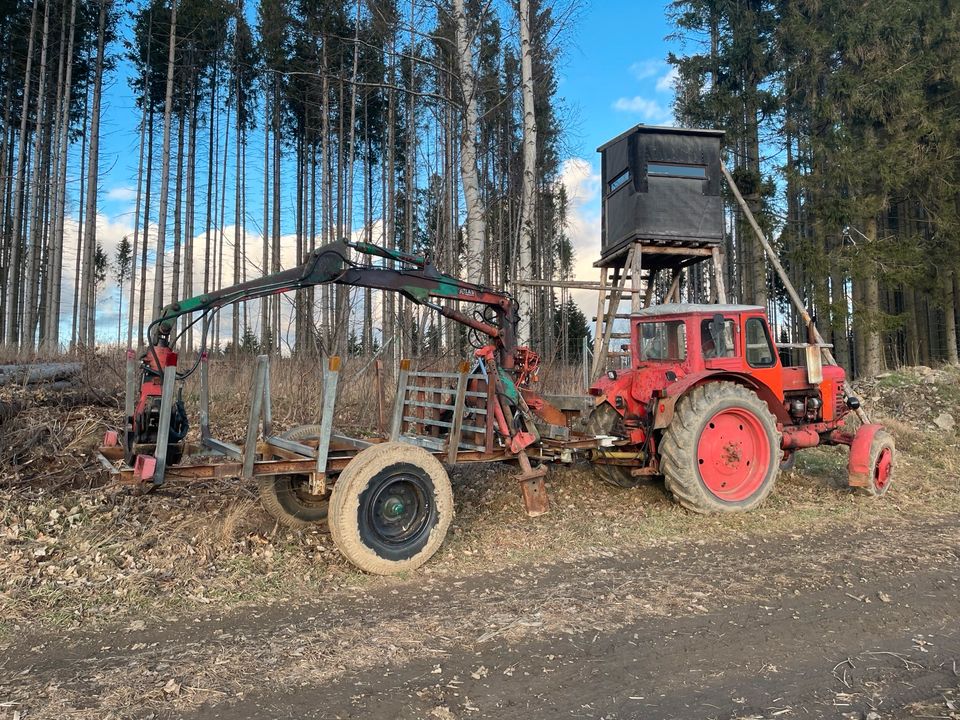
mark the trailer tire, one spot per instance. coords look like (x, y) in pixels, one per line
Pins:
(391, 508)
(721, 453)
(284, 497)
(601, 422)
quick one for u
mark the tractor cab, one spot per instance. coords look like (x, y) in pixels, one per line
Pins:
(699, 341)
(722, 337)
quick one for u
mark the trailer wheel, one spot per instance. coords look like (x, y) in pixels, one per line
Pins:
(391, 508)
(601, 422)
(286, 497)
(881, 464)
(722, 451)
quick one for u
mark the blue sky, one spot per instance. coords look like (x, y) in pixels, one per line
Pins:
(613, 75)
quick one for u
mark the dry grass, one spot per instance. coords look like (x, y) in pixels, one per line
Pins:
(74, 554)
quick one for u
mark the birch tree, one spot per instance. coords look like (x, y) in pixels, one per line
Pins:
(527, 207)
(476, 220)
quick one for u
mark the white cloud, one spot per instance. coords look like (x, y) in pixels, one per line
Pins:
(648, 110)
(110, 231)
(582, 183)
(644, 69)
(667, 81)
(124, 194)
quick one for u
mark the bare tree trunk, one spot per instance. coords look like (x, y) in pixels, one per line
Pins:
(222, 195)
(527, 207)
(367, 334)
(145, 240)
(873, 349)
(237, 220)
(88, 312)
(6, 149)
(40, 173)
(188, 244)
(165, 168)
(275, 267)
(476, 222)
(178, 213)
(266, 339)
(351, 152)
(912, 339)
(410, 181)
(75, 327)
(52, 186)
(326, 199)
(13, 281)
(840, 318)
(387, 299)
(950, 318)
(56, 242)
(211, 154)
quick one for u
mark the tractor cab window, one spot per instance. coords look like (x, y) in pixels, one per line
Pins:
(663, 340)
(716, 337)
(759, 348)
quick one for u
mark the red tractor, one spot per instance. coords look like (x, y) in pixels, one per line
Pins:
(707, 404)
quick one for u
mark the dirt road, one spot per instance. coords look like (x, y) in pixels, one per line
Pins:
(841, 623)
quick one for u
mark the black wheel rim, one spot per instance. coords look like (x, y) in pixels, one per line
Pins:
(396, 512)
(399, 510)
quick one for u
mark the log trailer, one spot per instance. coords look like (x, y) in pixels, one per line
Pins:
(705, 403)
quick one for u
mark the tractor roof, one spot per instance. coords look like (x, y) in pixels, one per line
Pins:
(694, 309)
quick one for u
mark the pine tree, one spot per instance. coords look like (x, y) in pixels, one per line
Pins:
(121, 271)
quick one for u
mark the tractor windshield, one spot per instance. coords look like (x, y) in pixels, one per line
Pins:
(663, 340)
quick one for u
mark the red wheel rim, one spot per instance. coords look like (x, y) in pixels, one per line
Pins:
(733, 454)
(881, 473)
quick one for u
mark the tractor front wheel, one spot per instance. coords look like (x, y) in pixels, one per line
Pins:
(721, 452)
(881, 464)
(601, 422)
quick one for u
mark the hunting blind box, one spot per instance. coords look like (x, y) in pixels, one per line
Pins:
(661, 185)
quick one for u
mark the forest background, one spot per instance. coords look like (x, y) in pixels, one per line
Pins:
(134, 135)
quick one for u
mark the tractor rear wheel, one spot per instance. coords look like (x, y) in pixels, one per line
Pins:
(287, 497)
(722, 451)
(601, 422)
(391, 508)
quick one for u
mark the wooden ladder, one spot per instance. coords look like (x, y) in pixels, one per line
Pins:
(616, 282)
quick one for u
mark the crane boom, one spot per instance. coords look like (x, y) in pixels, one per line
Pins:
(417, 279)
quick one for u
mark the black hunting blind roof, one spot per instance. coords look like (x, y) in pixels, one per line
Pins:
(661, 186)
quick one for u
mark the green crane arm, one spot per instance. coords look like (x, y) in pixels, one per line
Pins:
(416, 279)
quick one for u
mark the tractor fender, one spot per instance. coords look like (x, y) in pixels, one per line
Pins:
(858, 464)
(664, 409)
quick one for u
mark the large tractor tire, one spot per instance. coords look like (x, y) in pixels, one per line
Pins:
(601, 422)
(722, 451)
(391, 508)
(286, 497)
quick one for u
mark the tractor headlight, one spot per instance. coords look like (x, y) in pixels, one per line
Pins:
(612, 374)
